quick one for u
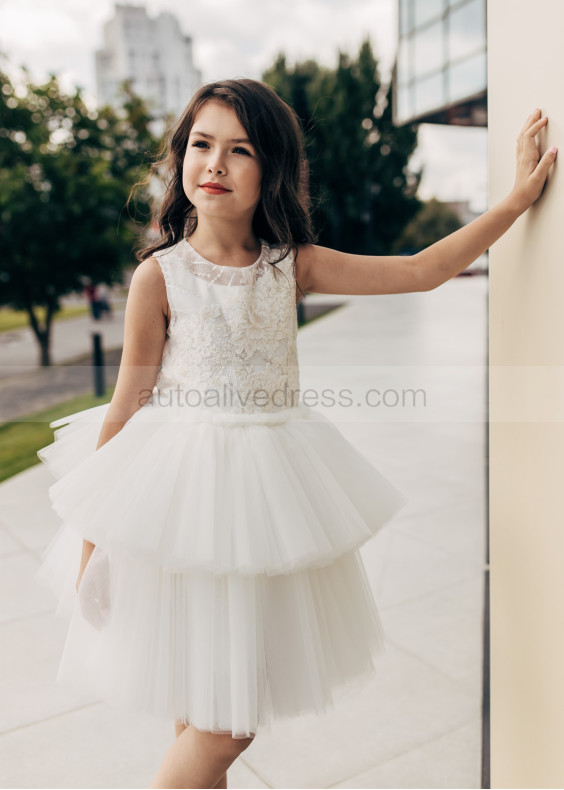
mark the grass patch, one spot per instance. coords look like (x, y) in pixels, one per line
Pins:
(19, 319)
(21, 439)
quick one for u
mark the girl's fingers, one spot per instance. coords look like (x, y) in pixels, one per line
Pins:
(526, 140)
(548, 158)
(532, 173)
(536, 126)
(530, 119)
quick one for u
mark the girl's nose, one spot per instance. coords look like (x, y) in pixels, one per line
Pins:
(216, 165)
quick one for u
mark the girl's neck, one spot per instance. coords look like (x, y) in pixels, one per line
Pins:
(225, 240)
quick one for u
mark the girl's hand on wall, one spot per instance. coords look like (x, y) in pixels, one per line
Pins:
(531, 173)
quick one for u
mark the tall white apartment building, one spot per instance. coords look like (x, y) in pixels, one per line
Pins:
(153, 53)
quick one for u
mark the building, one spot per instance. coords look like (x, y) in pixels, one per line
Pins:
(151, 52)
(440, 74)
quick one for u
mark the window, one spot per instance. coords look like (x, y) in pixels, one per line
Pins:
(426, 10)
(429, 93)
(428, 49)
(467, 77)
(404, 61)
(405, 16)
(466, 29)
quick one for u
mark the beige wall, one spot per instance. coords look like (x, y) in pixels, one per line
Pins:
(525, 70)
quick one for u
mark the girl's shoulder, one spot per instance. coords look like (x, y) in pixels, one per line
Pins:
(149, 271)
(162, 263)
(165, 252)
(293, 263)
(305, 255)
(275, 250)
(148, 285)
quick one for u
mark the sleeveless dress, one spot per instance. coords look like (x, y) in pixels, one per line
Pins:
(226, 589)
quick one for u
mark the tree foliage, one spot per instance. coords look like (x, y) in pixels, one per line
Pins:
(361, 187)
(433, 222)
(66, 171)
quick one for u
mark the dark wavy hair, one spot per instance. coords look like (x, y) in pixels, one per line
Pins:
(282, 215)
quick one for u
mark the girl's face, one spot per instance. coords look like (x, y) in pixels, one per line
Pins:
(218, 152)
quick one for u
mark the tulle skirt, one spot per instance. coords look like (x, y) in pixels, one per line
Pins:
(226, 589)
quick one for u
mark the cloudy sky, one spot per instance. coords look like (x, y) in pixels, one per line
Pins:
(239, 38)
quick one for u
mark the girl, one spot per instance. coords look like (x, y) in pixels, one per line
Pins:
(217, 516)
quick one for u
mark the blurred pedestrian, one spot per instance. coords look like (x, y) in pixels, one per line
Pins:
(103, 299)
(91, 294)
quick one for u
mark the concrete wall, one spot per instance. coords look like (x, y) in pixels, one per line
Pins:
(525, 66)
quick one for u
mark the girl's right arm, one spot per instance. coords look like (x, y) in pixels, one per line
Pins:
(144, 337)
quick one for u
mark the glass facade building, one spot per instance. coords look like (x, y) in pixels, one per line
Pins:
(440, 72)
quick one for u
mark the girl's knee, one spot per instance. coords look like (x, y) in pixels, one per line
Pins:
(224, 743)
(244, 743)
(235, 746)
(231, 744)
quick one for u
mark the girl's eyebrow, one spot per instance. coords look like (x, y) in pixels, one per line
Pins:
(233, 140)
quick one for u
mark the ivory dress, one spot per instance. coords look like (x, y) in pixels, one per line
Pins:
(226, 588)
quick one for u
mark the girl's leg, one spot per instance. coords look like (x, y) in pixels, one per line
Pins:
(222, 784)
(198, 759)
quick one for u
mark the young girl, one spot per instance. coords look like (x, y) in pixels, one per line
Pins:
(216, 517)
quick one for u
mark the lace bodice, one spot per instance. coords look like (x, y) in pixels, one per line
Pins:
(231, 342)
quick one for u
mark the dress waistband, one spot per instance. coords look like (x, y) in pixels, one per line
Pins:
(167, 402)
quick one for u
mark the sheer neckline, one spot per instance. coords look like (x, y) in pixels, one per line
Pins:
(191, 249)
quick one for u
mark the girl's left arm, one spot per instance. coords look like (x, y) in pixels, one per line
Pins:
(324, 270)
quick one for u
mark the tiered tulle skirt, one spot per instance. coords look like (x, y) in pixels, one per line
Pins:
(226, 588)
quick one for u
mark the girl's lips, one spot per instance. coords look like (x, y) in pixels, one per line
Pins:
(215, 191)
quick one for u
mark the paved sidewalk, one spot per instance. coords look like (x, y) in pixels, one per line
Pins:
(26, 387)
(71, 338)
(418, 724)
(25, 393)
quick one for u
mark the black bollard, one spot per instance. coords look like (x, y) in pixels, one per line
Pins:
(301, 313)
(98, 365)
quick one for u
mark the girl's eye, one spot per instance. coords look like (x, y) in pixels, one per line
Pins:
(203, 142)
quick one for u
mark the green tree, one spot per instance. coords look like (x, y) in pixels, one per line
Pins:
(362, 191)
(433, 221)
(65, 174)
